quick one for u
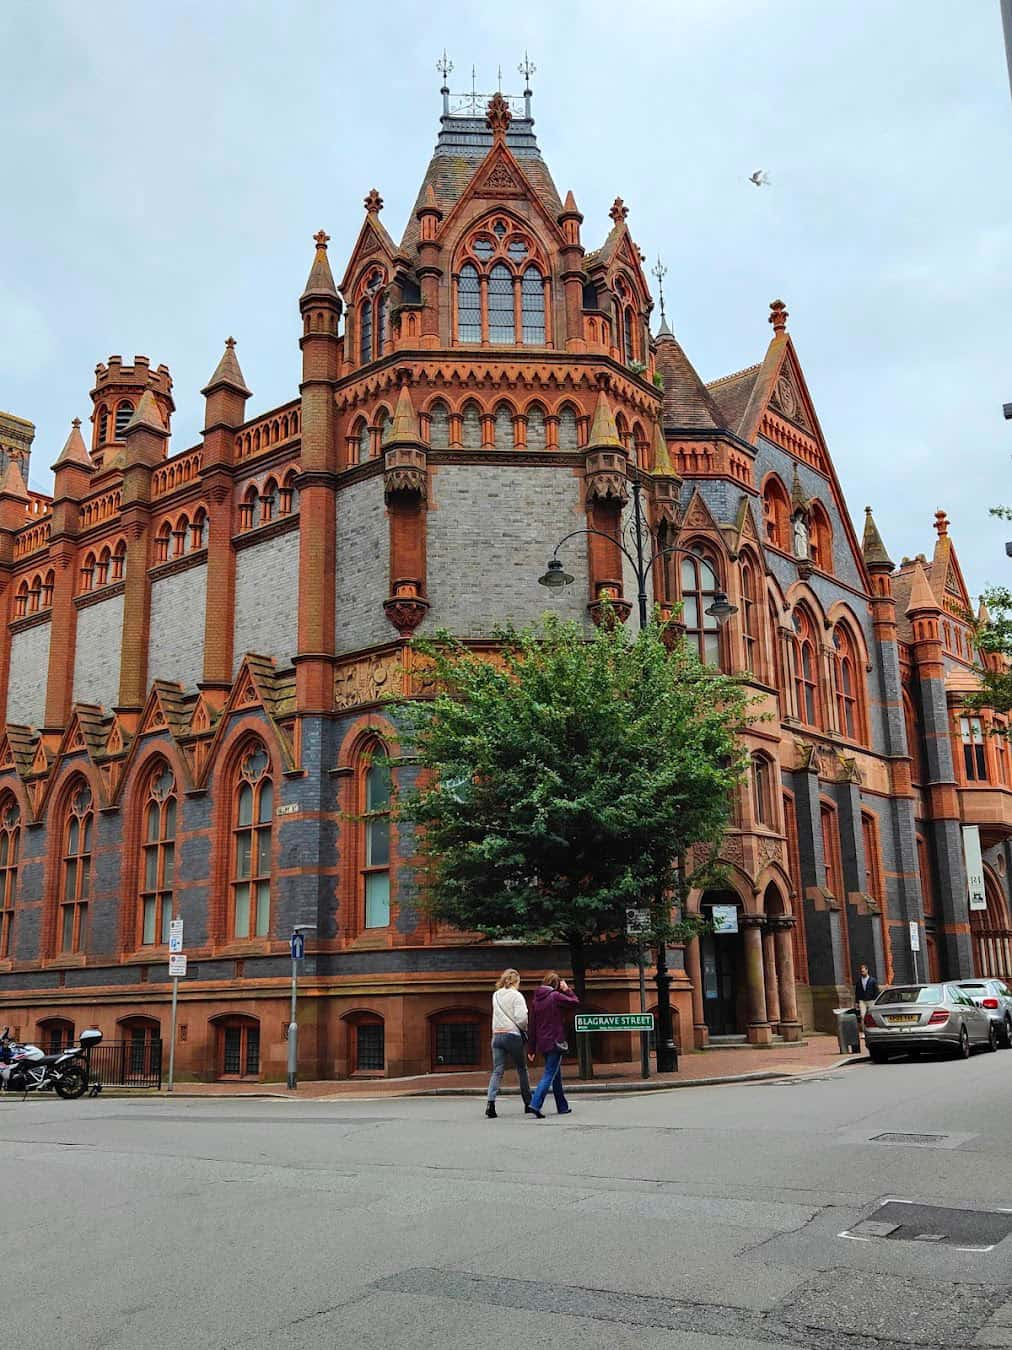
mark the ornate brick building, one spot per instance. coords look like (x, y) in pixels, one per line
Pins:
(196, 643)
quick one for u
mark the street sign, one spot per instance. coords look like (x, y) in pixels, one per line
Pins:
(637, 922)
(915, 937)
(725, 918)
(177, 966)
(176, 936)
(298, 947)
(614, 1022)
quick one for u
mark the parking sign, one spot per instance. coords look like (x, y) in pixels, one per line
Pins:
(176, 936)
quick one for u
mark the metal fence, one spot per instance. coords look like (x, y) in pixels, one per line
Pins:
(127, 1064)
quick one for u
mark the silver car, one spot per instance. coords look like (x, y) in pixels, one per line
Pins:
(911, 1018)
(996, 997)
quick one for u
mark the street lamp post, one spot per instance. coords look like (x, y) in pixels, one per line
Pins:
(555, 578)
(299, 930)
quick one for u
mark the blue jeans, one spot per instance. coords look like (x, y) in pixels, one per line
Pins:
(551, 1078)
(506, 1046)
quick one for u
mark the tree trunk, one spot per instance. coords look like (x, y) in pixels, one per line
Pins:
(578, 961)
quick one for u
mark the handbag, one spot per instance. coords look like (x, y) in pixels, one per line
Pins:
(520, 1031)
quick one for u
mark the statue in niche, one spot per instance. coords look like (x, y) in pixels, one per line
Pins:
(800, 536)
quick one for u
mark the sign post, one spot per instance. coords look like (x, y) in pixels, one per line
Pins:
(177, 967)
(637, 924)
(298, 950)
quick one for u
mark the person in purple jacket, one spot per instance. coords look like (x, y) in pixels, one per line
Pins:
(547, 1036)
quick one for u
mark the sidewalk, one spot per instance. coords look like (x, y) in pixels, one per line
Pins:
(818, 1053)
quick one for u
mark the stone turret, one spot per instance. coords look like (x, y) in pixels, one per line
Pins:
(117, 394)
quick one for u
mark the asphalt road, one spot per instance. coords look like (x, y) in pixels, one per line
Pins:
(701, 1219)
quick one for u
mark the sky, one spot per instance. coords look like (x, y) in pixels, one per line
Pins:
(163, 168)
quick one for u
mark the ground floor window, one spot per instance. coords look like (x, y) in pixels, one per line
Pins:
(239, 1049)
(142, 1048)
(457, 1042)
(369, 1040)
(56, 1035)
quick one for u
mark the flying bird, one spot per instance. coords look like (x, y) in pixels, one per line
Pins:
(760, 178)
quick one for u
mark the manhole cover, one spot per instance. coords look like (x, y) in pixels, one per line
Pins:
(908, 1221)
(908, 1138)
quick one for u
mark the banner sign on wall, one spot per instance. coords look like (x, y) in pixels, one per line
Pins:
(974, 867)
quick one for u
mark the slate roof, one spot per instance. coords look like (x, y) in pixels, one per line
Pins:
(686, 400)
(732, 395)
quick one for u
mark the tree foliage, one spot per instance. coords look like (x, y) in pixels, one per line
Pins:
(565, 777)
(994, 637)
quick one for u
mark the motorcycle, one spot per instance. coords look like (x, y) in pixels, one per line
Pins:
(26, 1068)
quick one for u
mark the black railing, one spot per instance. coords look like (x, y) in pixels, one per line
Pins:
(127, 1064)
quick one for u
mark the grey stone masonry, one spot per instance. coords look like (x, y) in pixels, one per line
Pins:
(97, 652)
(266, 599)
(491, 531)
(363, 567)
(26, 685)
(176, 644)
(824, 939)
(864, 931)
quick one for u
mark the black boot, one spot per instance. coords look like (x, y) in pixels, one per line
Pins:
(490, 1110)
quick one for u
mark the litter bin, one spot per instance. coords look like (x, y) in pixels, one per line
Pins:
(848, 1032)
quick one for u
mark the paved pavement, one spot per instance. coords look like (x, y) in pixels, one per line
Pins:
(703, 1220)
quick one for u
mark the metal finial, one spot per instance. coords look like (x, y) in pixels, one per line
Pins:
(444, 65)
(660, 272)
(499, 86)
(474, 91)
(527, 68)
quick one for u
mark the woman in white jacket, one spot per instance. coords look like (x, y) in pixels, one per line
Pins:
(509, 1029)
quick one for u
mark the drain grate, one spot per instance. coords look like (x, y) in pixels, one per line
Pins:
(908, 1138)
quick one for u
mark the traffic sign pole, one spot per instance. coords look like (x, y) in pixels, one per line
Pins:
(172, 1035)
(644, 1035)
(293, 1027)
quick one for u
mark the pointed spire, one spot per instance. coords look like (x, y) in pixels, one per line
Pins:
(663, 468)
(321, 279)
(430, 198)
(872, 547)
(798, 499)
(920, 592)
(12, 484)
(569, 206)
(147, 416)
(604, 432)
(778, 317)
(227, 372)
(405, 423)
(664, 331)
(983, 614)
(74, 450)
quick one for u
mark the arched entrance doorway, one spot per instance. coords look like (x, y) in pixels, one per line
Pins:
(721, 959)
(991, 932)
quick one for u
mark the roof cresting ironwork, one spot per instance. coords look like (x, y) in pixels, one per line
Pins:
(474, 103)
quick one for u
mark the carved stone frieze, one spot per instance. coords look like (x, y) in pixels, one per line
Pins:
(367, 681)
(606, 476)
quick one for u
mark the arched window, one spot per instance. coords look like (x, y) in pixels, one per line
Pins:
(469, 305)
(820, 537)
(238, 1047)
(806, 669)
(102, 569)
(124, 412)
(375, 793)
(367, 1043)
(927, 880)
(249, 510)
(503, 428)
(439, 426)
(470, 434)
(251, 831)
(119, 560)
(628, 349)
(365, 330)
(75, 870)
(103, 425)
(777, 514)
(158, 857)
(269, 501)
(87, 575)
(55, 1034)
(831, 851)
(501, 319)
(179, 534)
(48, 586)
(762, 790)
(971, 730)
(537, 432)
(198, 529)
(569, 436)
(778, 652)
(622, 427)
(750, 615)
(163, 539)
(699, 588)
(142, 1037)
(532, 306)
(872, 858)
(21, 600)
(362, 440)
(847, 684)
(381, 321)
(35, 595)
(383, 425)
(10, 839)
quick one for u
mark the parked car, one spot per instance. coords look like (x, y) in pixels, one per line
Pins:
(996, 997)
(911, 1018)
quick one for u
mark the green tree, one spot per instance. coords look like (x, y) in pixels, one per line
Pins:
(565, 779)
(994, 638)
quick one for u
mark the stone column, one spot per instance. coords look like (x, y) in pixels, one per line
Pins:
(770, 974)
(790, 1025)
(694, 970)
(759, 1030)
